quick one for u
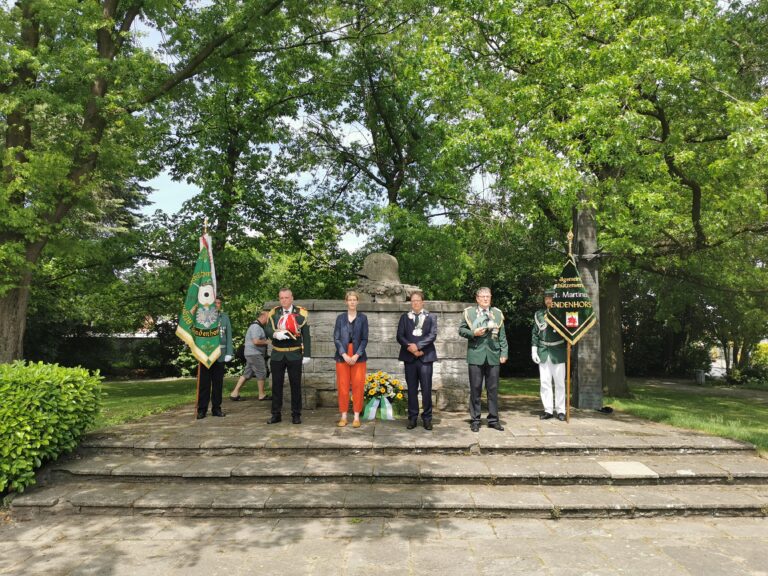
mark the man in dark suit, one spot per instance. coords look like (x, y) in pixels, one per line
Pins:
(416, 334)
(287, 326)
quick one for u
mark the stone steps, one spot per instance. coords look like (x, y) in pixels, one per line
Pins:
(495, 469)
(398, 442)
(594, 466)
(347, 500)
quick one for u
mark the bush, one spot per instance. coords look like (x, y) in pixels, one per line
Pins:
(186, 364)
(760, 357)
(44, 412)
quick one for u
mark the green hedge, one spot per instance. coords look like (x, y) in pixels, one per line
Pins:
(44, 411)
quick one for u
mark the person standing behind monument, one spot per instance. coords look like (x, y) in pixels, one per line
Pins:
(487, 349)
(350, 337)
(416, 333)
(288, 327)
(255, 352)
(548, 350)
(211, 382)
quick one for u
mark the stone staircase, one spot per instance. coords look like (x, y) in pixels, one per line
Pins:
(594, 466)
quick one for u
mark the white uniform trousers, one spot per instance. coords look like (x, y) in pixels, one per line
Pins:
(547, 372)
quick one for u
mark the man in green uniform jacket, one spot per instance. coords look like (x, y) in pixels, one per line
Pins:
(483, 327)
(548, 351)
(288, 327)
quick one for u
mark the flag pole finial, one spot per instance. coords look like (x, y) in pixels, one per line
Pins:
(205, 225)
(570, 242)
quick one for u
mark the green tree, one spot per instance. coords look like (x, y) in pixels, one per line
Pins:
(82, 110)
(639, 110)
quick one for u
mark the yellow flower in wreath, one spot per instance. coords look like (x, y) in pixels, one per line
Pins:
(400, 396)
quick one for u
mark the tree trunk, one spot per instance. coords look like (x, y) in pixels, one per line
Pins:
(726, 355)
(744, 354)
(587, 373)
(612, 348)
(13, 322)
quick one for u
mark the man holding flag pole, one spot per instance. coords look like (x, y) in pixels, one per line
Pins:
(200, 327)
(569, 315)
(548, 351)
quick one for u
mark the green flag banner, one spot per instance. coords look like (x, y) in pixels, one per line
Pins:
(199, 319)
(571, 314)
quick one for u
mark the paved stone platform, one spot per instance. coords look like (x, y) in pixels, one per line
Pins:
(238, 466)
(81, 545)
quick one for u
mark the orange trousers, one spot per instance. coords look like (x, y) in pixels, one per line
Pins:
(353, 376)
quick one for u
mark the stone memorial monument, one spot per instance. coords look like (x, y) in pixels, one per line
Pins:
(383, 298)
(379, 280)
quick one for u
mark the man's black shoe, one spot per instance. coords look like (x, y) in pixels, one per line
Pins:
(561, 417)
(218, 412)
(411, 423)
(546, 416)
(275, 419)
(200, 415)
(427, 424)
(296, 419)
(475, 426)
(496, 426)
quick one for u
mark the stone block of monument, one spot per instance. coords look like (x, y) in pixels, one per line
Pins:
(383, 298)
(379, 280)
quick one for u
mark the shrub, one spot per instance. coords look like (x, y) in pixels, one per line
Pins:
(760, 356)
(44, 411)
(186, 364)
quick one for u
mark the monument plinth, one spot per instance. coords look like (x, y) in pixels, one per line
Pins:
(383, 299)
(450, 385)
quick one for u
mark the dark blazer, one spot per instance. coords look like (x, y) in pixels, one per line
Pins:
(295, 348)
(425, 342)
(359, 336)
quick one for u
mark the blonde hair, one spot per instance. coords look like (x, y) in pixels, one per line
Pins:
(351, 293)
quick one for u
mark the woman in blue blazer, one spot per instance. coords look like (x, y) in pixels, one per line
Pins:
(350, 336)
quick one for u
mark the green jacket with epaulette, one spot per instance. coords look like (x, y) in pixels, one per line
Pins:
(548, 343)
(225, 333)
(294, 348)
(488, 348)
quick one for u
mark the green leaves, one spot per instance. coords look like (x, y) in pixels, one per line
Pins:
(46, 409)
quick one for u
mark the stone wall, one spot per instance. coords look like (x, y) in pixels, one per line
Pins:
(450, 381)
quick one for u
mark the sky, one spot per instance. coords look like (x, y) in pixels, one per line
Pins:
(168, 195)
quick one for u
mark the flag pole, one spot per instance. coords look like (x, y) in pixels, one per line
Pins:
(197, 392)
(568, 384)
(568, 349)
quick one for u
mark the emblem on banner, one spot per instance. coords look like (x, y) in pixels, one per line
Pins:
(572, 319)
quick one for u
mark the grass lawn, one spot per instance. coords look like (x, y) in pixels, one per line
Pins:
(133, 399)
(703, 409)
